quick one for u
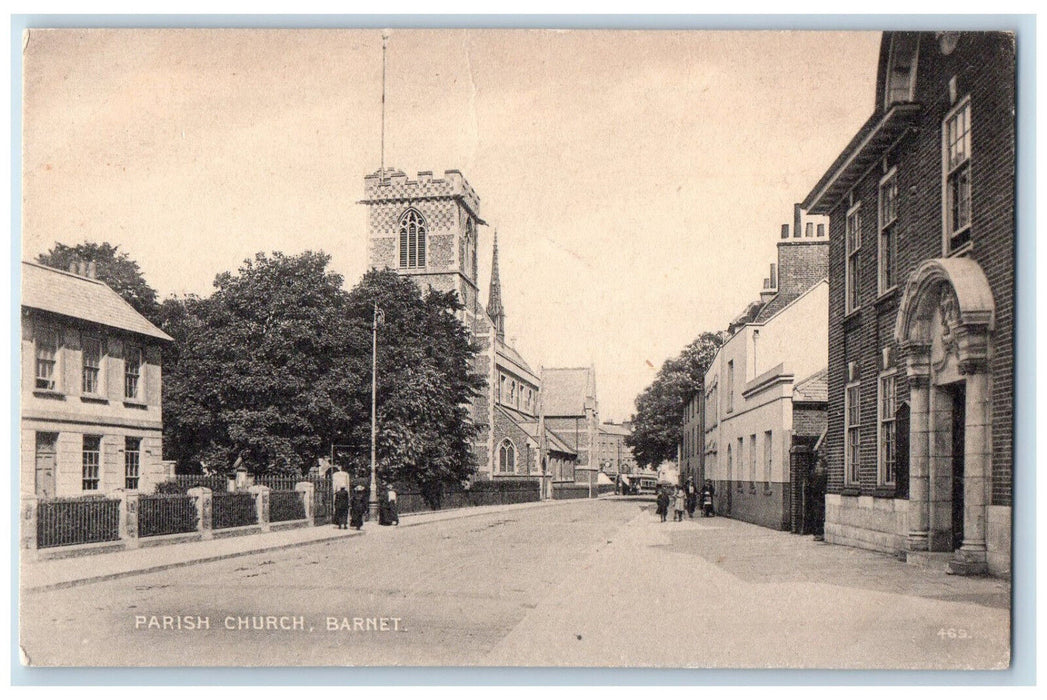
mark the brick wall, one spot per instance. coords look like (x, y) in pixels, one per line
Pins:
(983, 65)
(808, 421)
(526, 455)
(802, 263)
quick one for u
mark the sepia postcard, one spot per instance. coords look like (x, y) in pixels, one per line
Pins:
(517, 348)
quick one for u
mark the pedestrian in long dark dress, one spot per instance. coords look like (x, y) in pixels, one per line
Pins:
(357, 508)
(692, 498)
(708, 491)
(385, 512)
(341, 508)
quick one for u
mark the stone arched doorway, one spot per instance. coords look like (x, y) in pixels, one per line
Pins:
(943, 330)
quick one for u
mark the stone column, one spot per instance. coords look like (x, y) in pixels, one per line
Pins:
(128, 517)
(971, 557)
(261, 504)
(305, 490)
(27, 534)
(919, 442)
(202, 494)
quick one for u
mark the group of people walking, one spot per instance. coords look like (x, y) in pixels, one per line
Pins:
(685, 499)
(349, 510)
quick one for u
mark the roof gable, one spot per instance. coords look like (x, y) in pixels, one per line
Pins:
(566, 390)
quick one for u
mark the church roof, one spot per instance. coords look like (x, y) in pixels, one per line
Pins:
(614, 429)
(516, 361)
(553, 441)
(66, 294)
(567, 390)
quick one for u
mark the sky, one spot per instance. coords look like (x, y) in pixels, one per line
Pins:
(637, 179)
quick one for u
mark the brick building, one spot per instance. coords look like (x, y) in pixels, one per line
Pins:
(759, 390)
(692, 439)
(613, 456)
(428, 229)
(921, 307)
(571, 411)
(91, 388)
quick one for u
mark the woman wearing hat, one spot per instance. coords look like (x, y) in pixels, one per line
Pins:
(358, 507)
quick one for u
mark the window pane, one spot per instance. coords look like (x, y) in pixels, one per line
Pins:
(132, 373)
(46, 358)
(132, 462)
(92, 361)
(91, 459)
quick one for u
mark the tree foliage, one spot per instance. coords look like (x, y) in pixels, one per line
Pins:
(425, 383)
(114, 267)
(275, 366)
(262, 367)
(659, 407)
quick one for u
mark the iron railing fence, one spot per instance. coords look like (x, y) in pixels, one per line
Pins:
(166, 514)
(233, 510)
(323, 501)
(215, 482)
(285, 505)
(278, 482)
(66, 521)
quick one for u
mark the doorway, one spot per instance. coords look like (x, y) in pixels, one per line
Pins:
(46, 460)
(959, 419)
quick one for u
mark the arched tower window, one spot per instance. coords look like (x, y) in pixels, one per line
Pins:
(412, 239)
(507, 457)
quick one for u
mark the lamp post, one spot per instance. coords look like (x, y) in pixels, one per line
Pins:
(372, 501)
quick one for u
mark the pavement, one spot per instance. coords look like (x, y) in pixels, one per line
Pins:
(591, 583)
(85, 568)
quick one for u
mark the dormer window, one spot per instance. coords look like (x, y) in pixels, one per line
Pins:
(901, 68)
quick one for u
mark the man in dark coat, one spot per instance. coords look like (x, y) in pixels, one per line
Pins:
(663, 503)
(357, 508)
(692, 498)
(341, 508)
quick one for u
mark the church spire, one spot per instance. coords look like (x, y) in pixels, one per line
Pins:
(494, 300)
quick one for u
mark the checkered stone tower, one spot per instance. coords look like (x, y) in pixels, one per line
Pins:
(428, 229)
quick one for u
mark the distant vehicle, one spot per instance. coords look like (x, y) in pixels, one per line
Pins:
(646, 484)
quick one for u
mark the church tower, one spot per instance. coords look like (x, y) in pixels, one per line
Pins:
(426, 229)
(494, 299)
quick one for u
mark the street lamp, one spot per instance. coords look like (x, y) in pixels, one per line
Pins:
(372, 502)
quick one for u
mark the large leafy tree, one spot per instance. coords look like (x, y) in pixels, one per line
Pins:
(424, 386)
(114, 267)
(659, 407)
(266, 368)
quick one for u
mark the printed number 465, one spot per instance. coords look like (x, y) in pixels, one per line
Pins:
(953, 633)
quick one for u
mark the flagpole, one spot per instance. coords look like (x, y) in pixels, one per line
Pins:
(372, 502)
(381, 179)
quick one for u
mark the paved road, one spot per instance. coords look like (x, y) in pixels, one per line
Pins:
(584, 583)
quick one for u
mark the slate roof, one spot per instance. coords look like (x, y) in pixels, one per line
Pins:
(66, 294)
(814, 389)
(614, 429)
(553, 441)
(566, 389)
(509, 353)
